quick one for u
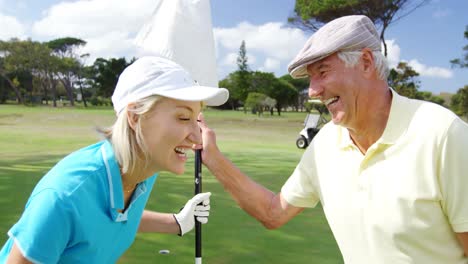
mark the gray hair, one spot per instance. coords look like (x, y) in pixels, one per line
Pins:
(351, 58)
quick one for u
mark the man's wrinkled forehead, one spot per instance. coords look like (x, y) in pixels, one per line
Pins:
(318, 65)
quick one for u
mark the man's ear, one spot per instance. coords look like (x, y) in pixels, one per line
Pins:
(368, 63)
(132, 118)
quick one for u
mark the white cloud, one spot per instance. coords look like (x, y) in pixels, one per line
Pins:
(271, 43)
(427, 71)
(108, 26)
(11, 27)
(92, 18)
(271, 65)
(393, 57)
(393, 53)
(230, 59)
(105, 46)
(271, 39)
(251, 59)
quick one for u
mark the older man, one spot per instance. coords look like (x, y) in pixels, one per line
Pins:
(390, 172)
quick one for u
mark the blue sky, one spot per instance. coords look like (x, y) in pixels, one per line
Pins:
(427, 39)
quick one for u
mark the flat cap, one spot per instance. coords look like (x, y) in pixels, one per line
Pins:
(348, 33)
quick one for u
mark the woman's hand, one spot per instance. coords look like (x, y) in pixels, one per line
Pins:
(198, 207)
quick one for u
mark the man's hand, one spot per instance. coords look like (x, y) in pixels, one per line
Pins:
(210, 150)
(199, 207)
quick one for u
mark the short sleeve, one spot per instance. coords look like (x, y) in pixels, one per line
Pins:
(44, 229)
(299, 189)
(453, 175)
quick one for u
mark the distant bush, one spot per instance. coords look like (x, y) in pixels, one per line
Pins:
(100, 101)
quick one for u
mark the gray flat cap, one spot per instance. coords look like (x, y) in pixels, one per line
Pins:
(348, 33)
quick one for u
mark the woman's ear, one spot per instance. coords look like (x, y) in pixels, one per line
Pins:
(132, 118)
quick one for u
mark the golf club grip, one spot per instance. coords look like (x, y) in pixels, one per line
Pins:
(198, 189)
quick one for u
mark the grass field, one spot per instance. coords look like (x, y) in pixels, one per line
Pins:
(33, 139)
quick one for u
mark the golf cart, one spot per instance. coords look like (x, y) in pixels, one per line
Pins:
(312, 124)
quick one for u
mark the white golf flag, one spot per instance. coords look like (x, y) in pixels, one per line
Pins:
(181, 31)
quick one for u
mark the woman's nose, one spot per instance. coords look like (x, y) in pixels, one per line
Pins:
(195, 135)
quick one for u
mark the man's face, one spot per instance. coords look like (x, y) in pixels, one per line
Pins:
(338, 87)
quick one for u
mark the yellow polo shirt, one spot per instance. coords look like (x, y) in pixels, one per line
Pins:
(403, 200)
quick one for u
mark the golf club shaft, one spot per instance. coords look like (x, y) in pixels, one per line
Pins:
(198, 189)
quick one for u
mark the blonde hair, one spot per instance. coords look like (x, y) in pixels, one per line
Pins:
(128, 144)
(351, 58)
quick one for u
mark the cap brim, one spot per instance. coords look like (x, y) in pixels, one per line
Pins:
(299, 72)
(210, 95)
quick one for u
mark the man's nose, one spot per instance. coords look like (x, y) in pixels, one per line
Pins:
(315, 89)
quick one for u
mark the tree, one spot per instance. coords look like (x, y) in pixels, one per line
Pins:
(311, 14)
(9, 80)
(283, 92)
(259, 102)
(51, 71)
(6, 67)
(106, 74)
(242, 58)
(302, 87)
(242, 77)
(428, 96)
(229, 83)
(239, 85)
(269, 103)
(46, 74)
(462, 62)
(80, 74)
(22, 60)
(4, 92)
(404, 80)
(459, 102)
(285, 95)
(66, 47)
(66, 50)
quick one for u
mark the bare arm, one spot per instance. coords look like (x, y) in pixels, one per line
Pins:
(463, 238)
(269, 208)
(158, 222)
(16, 257)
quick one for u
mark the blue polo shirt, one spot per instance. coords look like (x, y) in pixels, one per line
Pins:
(72, 215)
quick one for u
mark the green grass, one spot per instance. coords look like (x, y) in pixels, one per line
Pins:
(33, 139)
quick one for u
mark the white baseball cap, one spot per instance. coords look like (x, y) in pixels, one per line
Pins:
(348, 33)
(153, 75)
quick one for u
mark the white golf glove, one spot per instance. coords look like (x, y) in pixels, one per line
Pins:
(199, 207)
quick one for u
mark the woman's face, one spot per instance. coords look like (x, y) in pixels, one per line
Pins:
(170, 129)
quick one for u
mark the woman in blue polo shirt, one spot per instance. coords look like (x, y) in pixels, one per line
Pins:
(89, 206)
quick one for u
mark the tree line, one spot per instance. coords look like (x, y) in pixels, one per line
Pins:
(38, 72)
(32, 72)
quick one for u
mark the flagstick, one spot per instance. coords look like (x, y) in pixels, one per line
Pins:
(198, 189)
